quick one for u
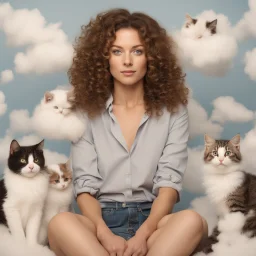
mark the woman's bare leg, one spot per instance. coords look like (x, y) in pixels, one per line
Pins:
(74, 235)
(178, 234)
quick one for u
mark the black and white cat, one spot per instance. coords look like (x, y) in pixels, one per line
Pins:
(23, 191)
(229, 188)
(198, 28)
(59, 197)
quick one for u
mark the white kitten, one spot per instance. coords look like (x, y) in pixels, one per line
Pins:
(56, 117)
(23, 191)
(198, 28)
(59, 198)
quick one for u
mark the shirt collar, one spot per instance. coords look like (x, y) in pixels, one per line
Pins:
(109, 101)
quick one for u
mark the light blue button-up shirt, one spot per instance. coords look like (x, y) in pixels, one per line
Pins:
(103, 166)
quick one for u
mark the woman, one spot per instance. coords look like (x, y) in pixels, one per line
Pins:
(128, 166)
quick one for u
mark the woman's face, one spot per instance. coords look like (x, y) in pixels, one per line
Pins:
(128, 63)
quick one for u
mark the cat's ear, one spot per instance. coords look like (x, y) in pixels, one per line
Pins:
(235, 141)
(212, 25)
(71, 96)
(190, 20)
(15, 146)
(208, 141)
(48, 96)
(40, 145)
(68, 164)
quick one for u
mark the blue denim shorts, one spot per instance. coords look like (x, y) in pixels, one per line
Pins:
(124, 219)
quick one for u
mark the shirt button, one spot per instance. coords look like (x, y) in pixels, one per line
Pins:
(123, 205)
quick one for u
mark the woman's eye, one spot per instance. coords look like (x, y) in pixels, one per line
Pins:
(138, 52)
(116, 52)
(22, 160)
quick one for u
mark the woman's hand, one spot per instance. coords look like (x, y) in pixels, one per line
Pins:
(137, 246)
(113, 244)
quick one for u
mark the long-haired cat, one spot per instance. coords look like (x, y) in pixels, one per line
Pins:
(57, 118)
(23, 191)
(198, 28)
(229, 188)
(59, 196)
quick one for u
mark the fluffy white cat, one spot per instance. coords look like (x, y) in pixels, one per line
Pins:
(56, 118)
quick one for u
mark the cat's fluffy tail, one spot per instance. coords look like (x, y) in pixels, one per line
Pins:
(10, 246)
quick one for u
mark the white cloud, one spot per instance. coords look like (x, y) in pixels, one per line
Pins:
(3, 106)
(6, 76)
(192, 180)
(199, 123)
(246, 27)
(250, 63)
(48, 47)
(44, 58)
(23, 27)
(248, 149)
(20, 121)
(227, 109)
(211, 55)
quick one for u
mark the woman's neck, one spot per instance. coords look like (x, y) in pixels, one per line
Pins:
(128, 96)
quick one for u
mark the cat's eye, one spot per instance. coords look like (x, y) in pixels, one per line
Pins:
(56, 107)
(56, 181)
(228, 153)
(215, 153)
(66, 179)
(23, 160)
(36, 160)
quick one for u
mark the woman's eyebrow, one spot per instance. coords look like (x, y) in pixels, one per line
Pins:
(135, 46)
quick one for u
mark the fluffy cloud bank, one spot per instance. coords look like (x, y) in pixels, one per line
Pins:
(246, 27)
(48, 48)
(227, 109)
(211, 55)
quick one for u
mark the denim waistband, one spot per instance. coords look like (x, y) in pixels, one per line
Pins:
(120, 205)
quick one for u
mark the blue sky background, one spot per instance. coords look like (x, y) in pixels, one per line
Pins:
(25, 91)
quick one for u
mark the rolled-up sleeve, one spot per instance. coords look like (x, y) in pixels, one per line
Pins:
(86, 177)
(173, 161)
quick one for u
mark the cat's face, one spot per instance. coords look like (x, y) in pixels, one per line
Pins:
(27, 161)
(59, 101)
(222, 153)
(60, 176)
(198, 28)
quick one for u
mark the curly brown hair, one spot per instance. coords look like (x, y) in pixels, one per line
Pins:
(164, 82)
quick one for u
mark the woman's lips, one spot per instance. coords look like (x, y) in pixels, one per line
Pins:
(128, 73)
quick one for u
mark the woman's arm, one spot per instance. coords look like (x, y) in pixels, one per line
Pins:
(91, 209)
(170, 171)
(161, 206)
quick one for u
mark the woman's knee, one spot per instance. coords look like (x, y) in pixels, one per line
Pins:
(193, 221)
(59, 219)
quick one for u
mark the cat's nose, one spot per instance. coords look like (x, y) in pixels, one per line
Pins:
(221, 160)
(30, 166)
